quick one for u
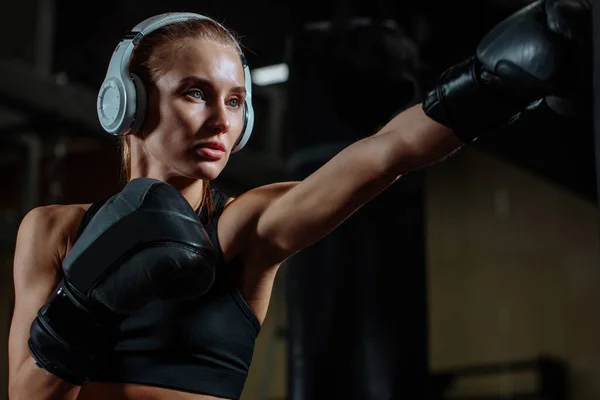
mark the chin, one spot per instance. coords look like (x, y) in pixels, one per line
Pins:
(207, 170)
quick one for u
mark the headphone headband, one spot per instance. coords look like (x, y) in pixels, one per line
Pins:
(122, 96)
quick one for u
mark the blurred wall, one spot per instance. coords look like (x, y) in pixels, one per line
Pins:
(514, 272)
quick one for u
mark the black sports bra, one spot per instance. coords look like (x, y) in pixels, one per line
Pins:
(200, 346)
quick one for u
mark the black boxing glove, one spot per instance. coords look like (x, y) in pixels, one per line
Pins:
(145, 243)
(542, 52)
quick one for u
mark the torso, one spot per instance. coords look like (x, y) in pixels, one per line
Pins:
(253, 280)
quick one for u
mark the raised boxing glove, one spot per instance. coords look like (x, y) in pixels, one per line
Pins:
(540, 53)
(144, 243)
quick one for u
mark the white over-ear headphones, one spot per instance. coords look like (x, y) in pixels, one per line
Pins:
(122, 95)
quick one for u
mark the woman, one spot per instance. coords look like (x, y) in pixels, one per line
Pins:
(197, 111)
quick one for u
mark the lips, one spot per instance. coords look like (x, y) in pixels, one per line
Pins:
(212, 145)
(211, 151)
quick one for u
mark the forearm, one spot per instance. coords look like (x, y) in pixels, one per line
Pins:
(413, 141)
(31, 382)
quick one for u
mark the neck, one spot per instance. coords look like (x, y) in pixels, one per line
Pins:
(190, 188)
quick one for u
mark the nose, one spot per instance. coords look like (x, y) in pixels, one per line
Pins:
(219, 121)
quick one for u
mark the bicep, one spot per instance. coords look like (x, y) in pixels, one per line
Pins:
(36, 274)
(321, 202)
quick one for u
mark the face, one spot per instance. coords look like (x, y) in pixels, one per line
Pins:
(195, 112)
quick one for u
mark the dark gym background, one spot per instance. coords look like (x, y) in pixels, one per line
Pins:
(473, 279)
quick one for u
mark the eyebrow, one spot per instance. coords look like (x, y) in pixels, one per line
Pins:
(197, 81)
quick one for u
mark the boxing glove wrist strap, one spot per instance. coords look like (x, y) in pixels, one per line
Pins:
(465, 100)
(68, 339)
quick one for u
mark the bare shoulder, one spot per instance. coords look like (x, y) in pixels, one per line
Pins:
(242, 213)
(49, 230)
(62, 214)
(55, 218)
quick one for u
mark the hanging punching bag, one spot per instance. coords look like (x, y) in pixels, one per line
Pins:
(357, 298)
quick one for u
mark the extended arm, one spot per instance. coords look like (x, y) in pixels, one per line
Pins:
(322, 201)
(525, 59)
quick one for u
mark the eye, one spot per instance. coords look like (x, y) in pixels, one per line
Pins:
(196, 94)
(235, 102)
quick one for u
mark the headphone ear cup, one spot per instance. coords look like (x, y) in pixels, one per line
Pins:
(141, 103)
(248, 113)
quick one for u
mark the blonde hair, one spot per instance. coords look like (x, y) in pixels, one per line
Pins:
(152, 58)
